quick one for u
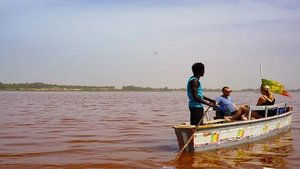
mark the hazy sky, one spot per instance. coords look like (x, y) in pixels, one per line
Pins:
(150, 42)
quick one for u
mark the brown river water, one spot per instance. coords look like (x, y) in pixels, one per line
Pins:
(124, 130)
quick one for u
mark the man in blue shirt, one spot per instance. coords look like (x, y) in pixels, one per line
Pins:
(228, 108)
(195, 94)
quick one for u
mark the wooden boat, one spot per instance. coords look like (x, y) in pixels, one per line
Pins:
(214, 134)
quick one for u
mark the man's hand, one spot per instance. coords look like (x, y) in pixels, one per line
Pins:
(214, 102)
(210, 104)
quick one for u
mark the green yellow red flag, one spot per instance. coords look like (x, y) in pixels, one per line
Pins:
(275, 87)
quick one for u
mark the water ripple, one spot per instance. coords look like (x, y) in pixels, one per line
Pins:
(122, 130)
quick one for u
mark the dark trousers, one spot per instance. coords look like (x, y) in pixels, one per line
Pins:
(196, 115)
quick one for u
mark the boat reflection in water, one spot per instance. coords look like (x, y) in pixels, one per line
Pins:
(271, 153)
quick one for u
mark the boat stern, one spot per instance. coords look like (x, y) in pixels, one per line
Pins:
(183, 133)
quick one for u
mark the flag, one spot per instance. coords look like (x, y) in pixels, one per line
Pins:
(275, 87)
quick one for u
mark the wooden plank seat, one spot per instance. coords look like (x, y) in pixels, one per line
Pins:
(214, 121)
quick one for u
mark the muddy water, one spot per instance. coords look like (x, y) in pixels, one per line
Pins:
(123, 130)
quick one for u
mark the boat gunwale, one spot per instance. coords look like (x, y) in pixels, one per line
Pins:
(209, 126)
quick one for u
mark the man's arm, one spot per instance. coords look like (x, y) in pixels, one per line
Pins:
(209, 99)
(194, 85)
(236, 108)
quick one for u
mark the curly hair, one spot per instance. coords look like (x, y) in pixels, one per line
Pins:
(198, 68)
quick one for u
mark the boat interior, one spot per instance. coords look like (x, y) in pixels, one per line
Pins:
(211, 117)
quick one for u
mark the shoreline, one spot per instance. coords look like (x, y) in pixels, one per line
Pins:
(96, 91)
(78, 88)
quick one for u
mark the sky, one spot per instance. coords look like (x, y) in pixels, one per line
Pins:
(150, 43)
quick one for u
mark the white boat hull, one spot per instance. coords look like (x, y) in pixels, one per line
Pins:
(213, 136)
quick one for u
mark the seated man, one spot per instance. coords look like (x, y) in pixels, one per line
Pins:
(228, 109)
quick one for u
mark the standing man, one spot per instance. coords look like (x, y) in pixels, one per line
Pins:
(195, 94)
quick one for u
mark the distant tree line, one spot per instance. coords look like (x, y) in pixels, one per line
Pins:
(51, 87)
(54, 87)
(135, 88)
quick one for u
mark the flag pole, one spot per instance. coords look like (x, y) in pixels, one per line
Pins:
(261, 76)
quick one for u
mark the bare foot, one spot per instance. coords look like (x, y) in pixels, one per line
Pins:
(243, 118)
(228, 118)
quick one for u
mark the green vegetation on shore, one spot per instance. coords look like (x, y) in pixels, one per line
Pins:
(54, 87)
(51, 87)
